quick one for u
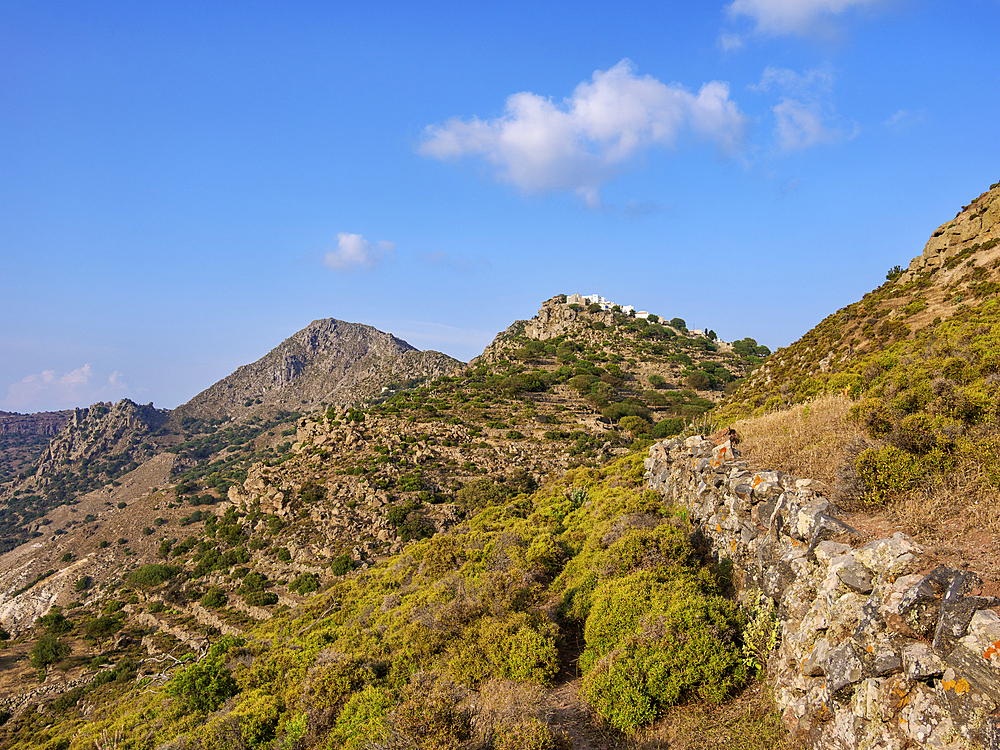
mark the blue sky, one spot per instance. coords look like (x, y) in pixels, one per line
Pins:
(185, 184)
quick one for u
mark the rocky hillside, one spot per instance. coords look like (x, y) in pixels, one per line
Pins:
(953, 282)
(237, 523)
(23, 438)
(328, 362)
(46, 423)
(94, 448)
(920, 356)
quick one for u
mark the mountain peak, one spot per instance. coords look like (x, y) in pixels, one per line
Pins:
(329, 361)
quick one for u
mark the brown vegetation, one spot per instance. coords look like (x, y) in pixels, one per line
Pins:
(806, 440)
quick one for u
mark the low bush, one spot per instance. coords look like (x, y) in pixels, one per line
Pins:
(305, 583)
(152, 575)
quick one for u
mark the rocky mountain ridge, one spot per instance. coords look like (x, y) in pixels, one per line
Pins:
(46, 423)
(329, 361)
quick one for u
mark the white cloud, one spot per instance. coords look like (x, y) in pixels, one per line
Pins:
(583, 142)
(804, 115)
(776, 17)
(810, 82)
(354, 251)
(46, 391)
(902, 120)
(730, 42)
(800, 126)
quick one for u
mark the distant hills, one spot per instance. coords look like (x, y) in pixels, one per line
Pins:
(329, 361)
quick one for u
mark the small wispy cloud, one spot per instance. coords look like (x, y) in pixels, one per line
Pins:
(804, 115)
(588, 139)
(902, 120)
(799, 126)
(807, 83)
(730, 42)
(47, 390)
(353, 252)
(801, 17)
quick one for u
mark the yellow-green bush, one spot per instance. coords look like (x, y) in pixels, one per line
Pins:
(362, 720)
(654, 639)
(886, 471)
(253, 721)
(526, 734)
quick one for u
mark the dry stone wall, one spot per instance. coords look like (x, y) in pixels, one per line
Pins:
(878, 649)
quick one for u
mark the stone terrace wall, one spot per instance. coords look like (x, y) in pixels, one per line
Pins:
(877, 650)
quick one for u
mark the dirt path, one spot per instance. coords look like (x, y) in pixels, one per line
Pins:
(564, 708)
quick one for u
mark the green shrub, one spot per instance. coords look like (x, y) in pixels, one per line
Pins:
(340, 565)
(251, 724)
(667, 428)
(886, 472)
(305, 583)
(430, 714)
(524, 734)
(311, 493)
(518, 647)
(68, 700)
(362, 720)
(204, 685)
(481, 493)
(615, 412)
(47, 650)
(260, 598)
(55, 623)
(654, 640)
(152, 575)
(410, 482)
(215, 598)
(874, 415)
(698, 380)
(653, 398)
(102, 627)
(635, 426)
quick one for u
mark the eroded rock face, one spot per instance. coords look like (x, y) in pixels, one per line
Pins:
(977, 223)
(876, 650)
(328, 361)
(46, 423)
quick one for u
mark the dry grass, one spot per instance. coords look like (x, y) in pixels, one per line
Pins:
(808, 440)
(818, 441)
(748, 722)
(962, 501)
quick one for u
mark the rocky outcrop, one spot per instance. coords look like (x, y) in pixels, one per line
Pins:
(555, 318)
(977, 224)
(102, 432)
(878, 648)
(329, 361)
(45, 423)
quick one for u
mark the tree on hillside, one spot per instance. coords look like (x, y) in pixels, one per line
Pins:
(48, 650)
